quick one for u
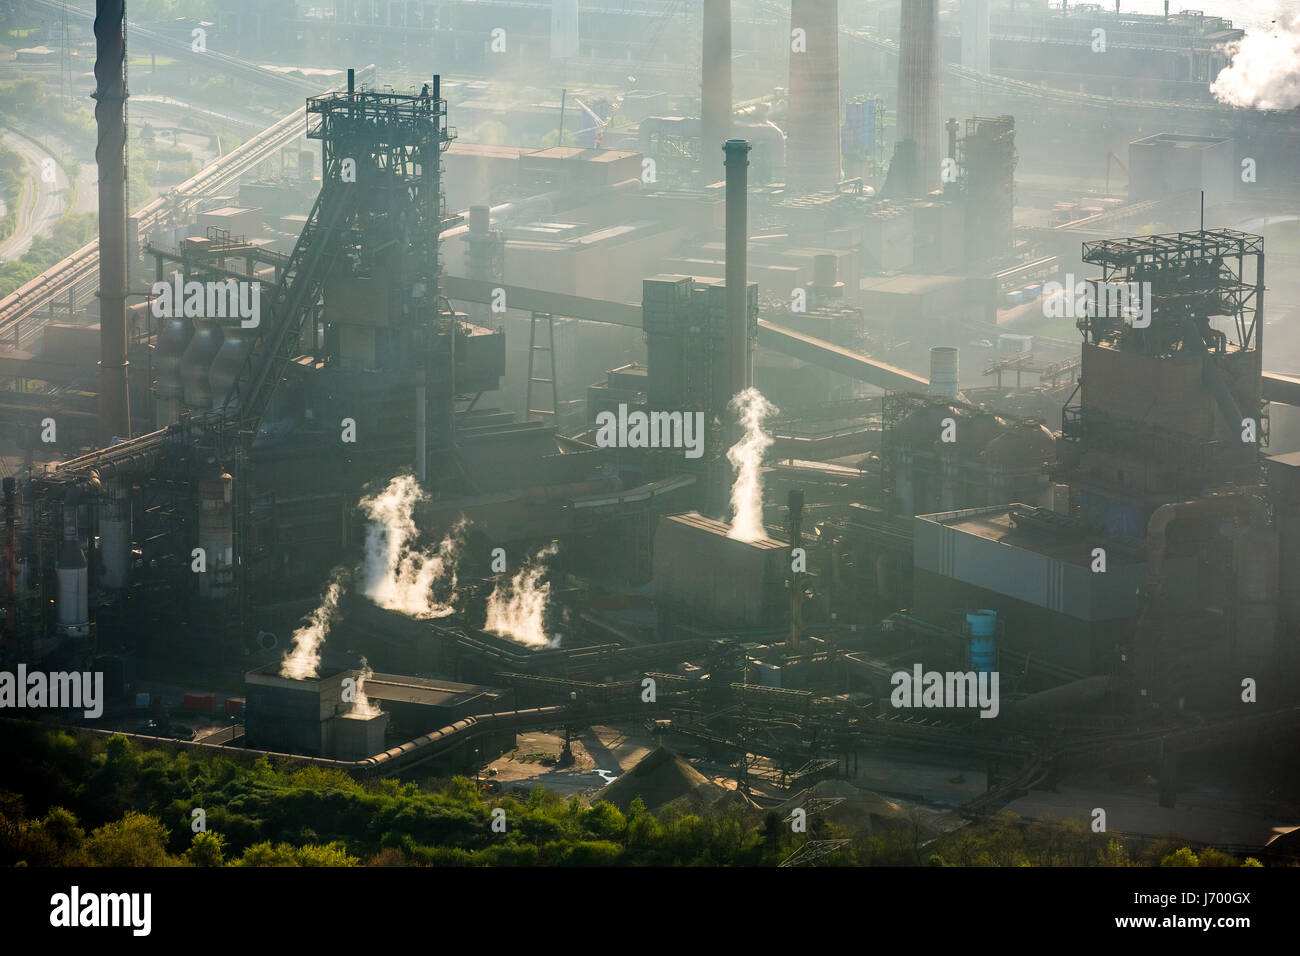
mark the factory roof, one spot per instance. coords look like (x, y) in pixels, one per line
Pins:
(1182, 140)
(694, 519)
(909, 284)
(421, 690)
(1031, 529)
(582, 153)
(485, 150)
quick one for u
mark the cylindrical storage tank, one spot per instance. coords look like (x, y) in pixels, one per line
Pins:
(115, 535)
(943, 371)
(981, 628)
(172, 343)
(216, 535)
(824, 268)
(480, 218)
(196, 361)
(228, 364)
(73, 607)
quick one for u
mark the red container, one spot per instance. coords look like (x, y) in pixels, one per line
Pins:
(235, 706)
(204, 702)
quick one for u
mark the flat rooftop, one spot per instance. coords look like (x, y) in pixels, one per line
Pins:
(428, 692)
(998, 524)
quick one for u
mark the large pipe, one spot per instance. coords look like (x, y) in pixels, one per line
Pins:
(715, 90)
(115, 534)
(73, 608)
(110, 155)
(739, 364)
(11, 566)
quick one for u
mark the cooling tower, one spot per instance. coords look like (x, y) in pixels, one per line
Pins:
(813, 134)
(918, 91)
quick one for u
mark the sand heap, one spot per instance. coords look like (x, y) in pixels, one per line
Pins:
(661, 777)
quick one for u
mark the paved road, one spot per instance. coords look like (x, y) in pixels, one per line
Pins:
(41, 202)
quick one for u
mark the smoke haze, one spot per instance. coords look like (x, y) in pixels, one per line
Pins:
(517, 609)
(303, 659)
(746, 457)
(1265, 69)
(397, 574)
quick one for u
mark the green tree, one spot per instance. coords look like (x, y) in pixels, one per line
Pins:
(1181, 857)
(135, 840)
(207, 849)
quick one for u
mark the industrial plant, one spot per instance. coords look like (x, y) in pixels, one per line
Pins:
(840, 414)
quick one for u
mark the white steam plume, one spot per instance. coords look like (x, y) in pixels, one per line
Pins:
(362, 705)
(746, 456)
(303, 660)
(1265, 68)
(397, 574)
(517, 609)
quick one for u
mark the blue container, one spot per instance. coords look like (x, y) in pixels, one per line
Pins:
(142, 701)
(981, 626)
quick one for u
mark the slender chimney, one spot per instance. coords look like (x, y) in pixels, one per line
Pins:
(739, 365)
(795, 502)
(110, 155)
(715, 90)
(813, 147)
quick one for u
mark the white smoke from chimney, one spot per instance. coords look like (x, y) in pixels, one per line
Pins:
(397, 574)
(303, 659)
(1265, 69)
(746, 456)
(517, 609)
(362, 705)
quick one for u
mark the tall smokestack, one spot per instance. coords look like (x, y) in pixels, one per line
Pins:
(110, 154)
(739, 364)
(795, 502)
(918, 89)
(813, 146)
(715, 90)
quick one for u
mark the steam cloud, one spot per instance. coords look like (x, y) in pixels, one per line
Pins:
(362, 705)
(303, 660)
(517, 609)
(397, 574)
(1265, 69)
(746, 456)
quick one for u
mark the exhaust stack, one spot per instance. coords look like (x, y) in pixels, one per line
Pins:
(918, 95)
(739, 366)
(813, 147)
(110, 155)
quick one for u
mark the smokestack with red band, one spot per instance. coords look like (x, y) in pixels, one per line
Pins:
(110, 155)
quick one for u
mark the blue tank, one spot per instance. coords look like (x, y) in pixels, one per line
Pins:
(981, 628)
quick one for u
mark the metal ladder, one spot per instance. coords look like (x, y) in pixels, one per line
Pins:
(533, 349)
